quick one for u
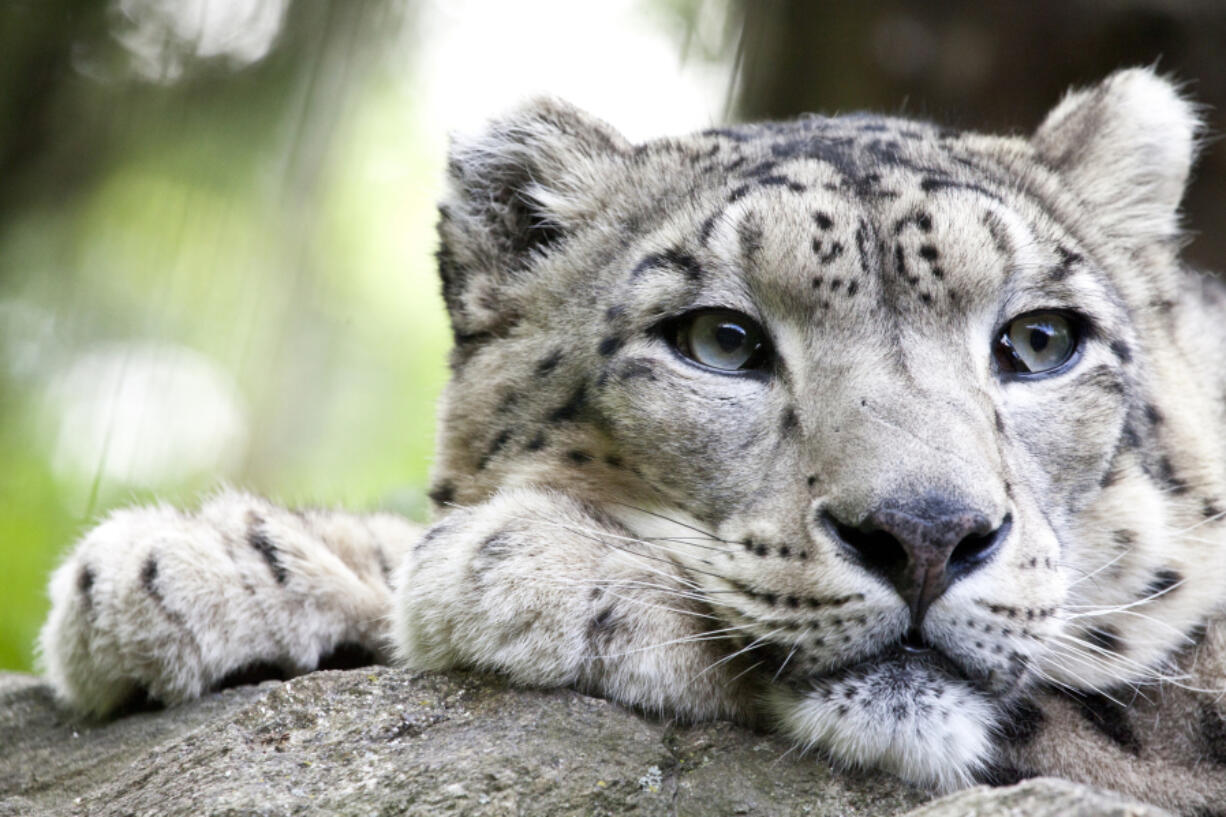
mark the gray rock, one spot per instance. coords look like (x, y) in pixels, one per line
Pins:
(1041, 797)
(385, 742)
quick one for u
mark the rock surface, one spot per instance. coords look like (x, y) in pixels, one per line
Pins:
(387, 742)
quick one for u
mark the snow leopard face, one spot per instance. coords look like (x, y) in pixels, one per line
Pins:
(929, 419)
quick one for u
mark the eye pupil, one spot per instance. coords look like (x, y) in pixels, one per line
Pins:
(1037, 342)
(1038, 339)
(730, 337)
(721, 339)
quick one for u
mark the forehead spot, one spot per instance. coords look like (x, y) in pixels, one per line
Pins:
(826, 252)
(920, 219)
(932, 184)
(782, 181)
(674, 259)
(862, 246)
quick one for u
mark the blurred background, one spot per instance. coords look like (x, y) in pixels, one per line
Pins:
(216, 224)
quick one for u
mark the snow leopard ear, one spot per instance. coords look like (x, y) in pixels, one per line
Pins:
(513, 193)
(1125, 146)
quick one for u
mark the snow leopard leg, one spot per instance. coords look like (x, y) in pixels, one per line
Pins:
(172, 604)
(550, 591)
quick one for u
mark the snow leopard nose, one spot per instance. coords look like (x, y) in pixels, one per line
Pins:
(921, 548)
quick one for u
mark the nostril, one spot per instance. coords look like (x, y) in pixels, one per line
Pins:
(877, 550)
(919, 554)
(977, 548)
(972, 549)
(914, 643)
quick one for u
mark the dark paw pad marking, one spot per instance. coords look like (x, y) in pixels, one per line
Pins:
(348, 655)
(138, 701)
(257, 672)
(999, 774)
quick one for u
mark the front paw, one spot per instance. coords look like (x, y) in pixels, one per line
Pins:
(543, 589)
(168, 604)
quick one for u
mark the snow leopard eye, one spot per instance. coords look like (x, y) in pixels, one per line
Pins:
(721, 339)
(1037, 342)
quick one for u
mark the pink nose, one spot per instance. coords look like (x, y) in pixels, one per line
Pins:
(921, 548)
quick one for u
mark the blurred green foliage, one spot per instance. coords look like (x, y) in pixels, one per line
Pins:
(271, 222)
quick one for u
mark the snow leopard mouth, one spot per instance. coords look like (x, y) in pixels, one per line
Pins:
(907, 658)
(911, 662)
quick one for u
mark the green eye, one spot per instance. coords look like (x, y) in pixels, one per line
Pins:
(1037, 342)
(722, 339)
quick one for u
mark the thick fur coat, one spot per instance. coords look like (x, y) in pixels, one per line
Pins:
(904, 441)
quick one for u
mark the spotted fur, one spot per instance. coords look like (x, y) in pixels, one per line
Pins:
(613, 516)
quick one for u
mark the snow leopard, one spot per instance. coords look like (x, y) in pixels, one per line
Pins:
(903, 441)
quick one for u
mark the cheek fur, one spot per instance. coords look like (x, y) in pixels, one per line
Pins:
(1066, 441)
(694, 432)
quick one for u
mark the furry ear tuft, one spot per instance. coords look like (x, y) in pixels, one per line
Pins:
(1126, 147)
(514, 191)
